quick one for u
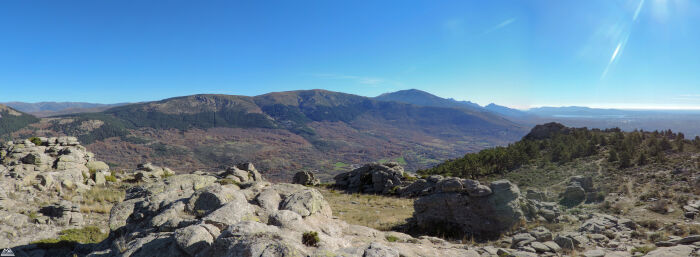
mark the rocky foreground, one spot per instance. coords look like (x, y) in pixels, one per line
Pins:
(236, 212)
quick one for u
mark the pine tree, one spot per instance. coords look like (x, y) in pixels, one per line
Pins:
(642, 159)
(625, 160)
(612, 155)
(665, 144)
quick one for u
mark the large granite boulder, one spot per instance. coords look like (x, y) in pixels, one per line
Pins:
(573, 195)
(476, 211)
(485, 215)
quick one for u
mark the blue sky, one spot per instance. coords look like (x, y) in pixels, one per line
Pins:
(600, 53)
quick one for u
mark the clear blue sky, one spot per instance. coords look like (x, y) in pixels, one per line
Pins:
(603, 53)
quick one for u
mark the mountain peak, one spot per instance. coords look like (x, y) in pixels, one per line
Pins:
(419, 97)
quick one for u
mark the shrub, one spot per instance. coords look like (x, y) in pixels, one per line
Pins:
(391, 238)
(656, 237)
(310, 238)
(643, 249)
(410, 178)
(111, 178)
(35, 140)
(227, 181)
(650, 224)
(394, 190)
(638, 235)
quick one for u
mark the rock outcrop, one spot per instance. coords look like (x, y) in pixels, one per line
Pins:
(148, 172)
(384, 178)
(466, 208)
(52, 163)
(198, 215)
(41, 183)
(242, 173)
(306, 178)
(579, 190)
(691, 209)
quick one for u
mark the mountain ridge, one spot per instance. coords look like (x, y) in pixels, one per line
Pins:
(316, 129)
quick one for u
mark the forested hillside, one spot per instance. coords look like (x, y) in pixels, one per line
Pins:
(282, 131)
(555, 143)
(12, 120)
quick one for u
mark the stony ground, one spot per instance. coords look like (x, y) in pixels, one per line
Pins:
(58, 201)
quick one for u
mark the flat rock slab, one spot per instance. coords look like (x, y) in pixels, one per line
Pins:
(675, 251)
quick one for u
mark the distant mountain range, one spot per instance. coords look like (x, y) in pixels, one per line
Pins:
(422, 98)
(284, 132)
(685, 121)
(281, 132)
(46, 109)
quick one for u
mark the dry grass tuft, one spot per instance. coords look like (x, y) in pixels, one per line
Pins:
(101, 199)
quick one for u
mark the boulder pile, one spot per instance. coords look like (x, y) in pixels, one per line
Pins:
(373, 178)
(41, 183)
(203, 215)
(51, 163)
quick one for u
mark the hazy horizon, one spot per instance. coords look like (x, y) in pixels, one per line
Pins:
(626, 107)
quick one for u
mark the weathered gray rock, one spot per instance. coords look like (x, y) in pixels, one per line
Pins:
(680, 250)
(539, 247)
(100, 179)
(449, 185)
(522, 239)
(196, 238)
(488, 215)
(564, 242)
(120, 213)
(97, 166)
(594, 253)
(242, 173)
(542, 234)
(305, 203)
(584, 182)
(306, 178)
(211, 198)
(372, 178)
(554, 247)
(379, 250)
(573, 195)
(232, 212)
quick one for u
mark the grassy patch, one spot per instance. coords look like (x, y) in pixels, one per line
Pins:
(227, 181)
(643, 249)
(101, 199)
(340, 165)
(375, 211)
(71, 237)
(391, 238)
